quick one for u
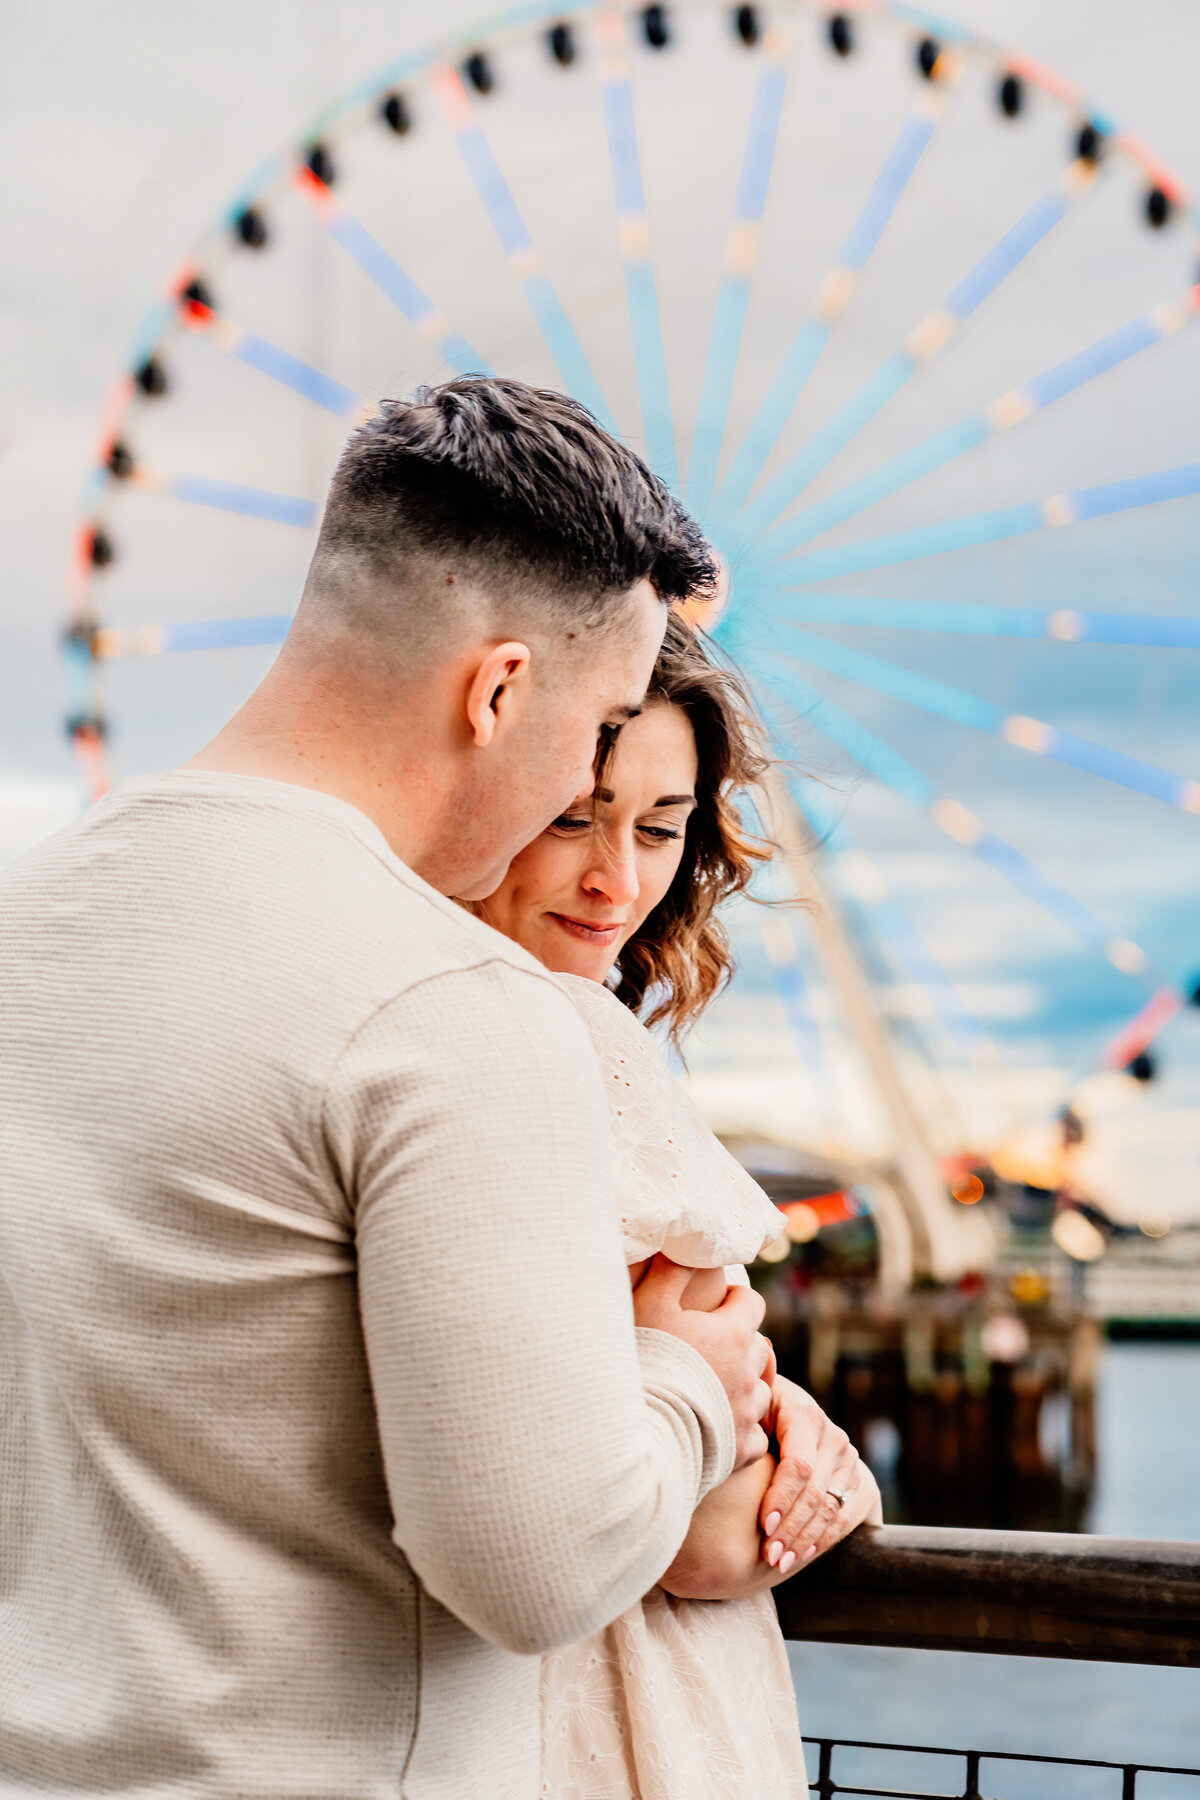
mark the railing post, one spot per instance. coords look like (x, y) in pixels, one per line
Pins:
(1129, 1784)
(825, 1771)
(971, 1791)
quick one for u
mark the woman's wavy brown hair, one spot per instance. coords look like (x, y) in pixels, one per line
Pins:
(680, 956)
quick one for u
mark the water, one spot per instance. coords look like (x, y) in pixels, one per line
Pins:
(1148, 1431)
(1149, 1486)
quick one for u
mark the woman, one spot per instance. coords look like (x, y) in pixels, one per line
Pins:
(688, 1694)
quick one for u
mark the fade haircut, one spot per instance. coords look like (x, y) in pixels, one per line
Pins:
(513, 493)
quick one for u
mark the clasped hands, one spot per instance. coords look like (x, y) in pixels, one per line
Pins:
(800, 1514)
(781, 1508)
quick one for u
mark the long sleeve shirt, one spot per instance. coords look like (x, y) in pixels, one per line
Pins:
(322, 1409)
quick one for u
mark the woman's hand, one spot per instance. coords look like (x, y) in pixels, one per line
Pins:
(720, 1321)
(800, 1515)
(726, 1555)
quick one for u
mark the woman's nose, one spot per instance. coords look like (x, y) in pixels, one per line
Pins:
(614, 874)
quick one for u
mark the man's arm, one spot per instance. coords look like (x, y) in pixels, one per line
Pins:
(541, 1474)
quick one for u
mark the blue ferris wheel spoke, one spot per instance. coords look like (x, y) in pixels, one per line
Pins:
(990, 527)
(961, 708)
(641, 293)
(277, 364)
(834, 295)
(741, 254)
(889, 920)
(518, 246)
(113, 642)
(895, 928)
(921, 346)
(957, 821)
(231, 496)
(300, 376)
(791, 987)
(1002, 414)
(389, 277)
(923, 967)
(964, 619)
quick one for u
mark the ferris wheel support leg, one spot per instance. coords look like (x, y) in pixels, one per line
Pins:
(947, 1241)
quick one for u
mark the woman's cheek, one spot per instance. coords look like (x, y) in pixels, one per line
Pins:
(654, 882)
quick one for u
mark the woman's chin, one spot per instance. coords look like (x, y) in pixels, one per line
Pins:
(566, 956)
(588, 965)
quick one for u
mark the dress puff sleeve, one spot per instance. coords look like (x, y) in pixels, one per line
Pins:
(678, 1189)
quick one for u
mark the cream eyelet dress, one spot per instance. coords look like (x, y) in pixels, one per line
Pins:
(678, 1699)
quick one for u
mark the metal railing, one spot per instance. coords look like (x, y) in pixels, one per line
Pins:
(825, 1786)
(1005, 1593)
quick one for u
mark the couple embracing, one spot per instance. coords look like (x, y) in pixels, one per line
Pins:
(384, 1411)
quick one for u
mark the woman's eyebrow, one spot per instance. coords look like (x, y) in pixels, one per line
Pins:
(608, 796)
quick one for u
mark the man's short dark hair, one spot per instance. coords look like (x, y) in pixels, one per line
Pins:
(519, 487)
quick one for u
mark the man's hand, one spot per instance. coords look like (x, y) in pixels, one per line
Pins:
(728, 1339)
(800, 1516)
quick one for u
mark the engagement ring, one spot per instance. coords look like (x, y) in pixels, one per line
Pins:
(839, 1494)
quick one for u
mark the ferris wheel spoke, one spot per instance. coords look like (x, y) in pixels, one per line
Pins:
(641, 293)
(965, 619)
(388, 276)
(111, 643)
(517, 244)
(278, 364)
(974, 529)
(961, 708)
(229, 496)
(919, 349)
(958, 822)
(1138, 1033)
(1009, 410)
(894, 926)
(791, 988)
(832, 299)
(741, 253)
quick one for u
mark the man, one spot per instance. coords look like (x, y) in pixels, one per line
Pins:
(323, 1408)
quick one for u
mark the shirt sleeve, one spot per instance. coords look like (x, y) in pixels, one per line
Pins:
(543, 1460)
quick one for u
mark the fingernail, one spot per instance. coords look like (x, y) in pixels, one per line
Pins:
(786, 1562)
(771, 1522)
(809, 1553)
(774, 1552)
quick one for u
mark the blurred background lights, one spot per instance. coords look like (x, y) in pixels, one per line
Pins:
(1078, 1237)
(1004, 1338)
(803, 1224)
(1029, 1287)
(967, 1189)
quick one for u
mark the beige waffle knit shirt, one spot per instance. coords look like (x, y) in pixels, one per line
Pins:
(322, 1411)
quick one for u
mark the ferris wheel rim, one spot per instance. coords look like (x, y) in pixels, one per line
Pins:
(436, 64)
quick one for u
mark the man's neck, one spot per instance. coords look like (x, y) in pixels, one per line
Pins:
(395, 795)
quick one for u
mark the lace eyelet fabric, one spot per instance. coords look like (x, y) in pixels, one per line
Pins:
(677, 1699)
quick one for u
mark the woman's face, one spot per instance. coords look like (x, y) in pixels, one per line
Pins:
(578, 892)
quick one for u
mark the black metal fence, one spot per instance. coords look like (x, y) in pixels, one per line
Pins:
(1008, 1593)
(975, 1770)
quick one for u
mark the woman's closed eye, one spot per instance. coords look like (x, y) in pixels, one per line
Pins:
(573, 823)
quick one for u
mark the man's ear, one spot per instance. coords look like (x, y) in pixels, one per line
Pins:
(495, 688)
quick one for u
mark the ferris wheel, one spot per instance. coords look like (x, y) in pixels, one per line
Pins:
(906, 319)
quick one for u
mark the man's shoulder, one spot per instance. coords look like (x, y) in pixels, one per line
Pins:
(278, 874)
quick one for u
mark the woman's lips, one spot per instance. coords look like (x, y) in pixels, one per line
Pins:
(600, 935)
